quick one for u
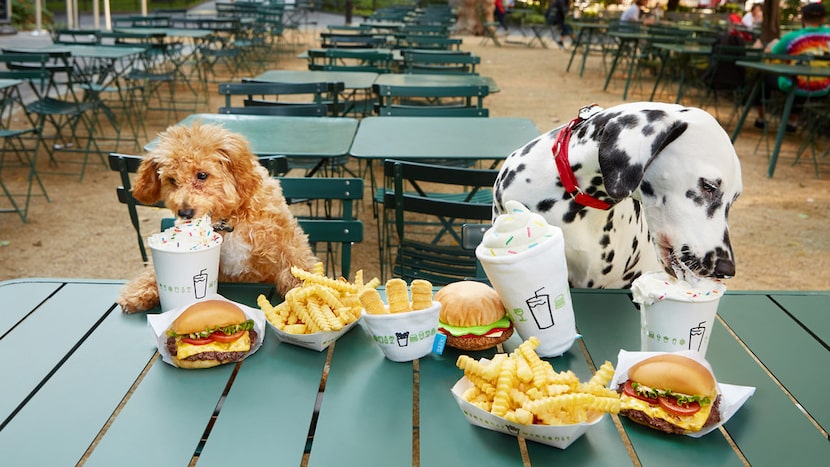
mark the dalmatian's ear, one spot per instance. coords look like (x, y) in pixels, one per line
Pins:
(627, 148)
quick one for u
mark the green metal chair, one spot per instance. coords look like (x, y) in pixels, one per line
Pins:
(432, 62)
(431, 101)
(424, 209)
(334, 224)
(371, 60)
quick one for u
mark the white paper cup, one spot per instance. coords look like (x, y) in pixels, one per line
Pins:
(533, 285)
(403, 337)
(670, 326)
(186, 277)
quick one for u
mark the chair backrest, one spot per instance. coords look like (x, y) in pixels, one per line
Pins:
(448, 198)
(76, 36)
(350, 41)
(367, 60)
(343, 229)
(428, 41)
(301, 99)
(416, 61)
(431, 101)
(126, 165)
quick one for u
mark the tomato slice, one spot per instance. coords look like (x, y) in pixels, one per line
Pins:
(200, 341)
(629, 391)
(220, 336)
(670, 404)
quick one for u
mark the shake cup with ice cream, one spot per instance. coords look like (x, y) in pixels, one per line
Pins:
(186, 261)
(674, 314)
(524, 258)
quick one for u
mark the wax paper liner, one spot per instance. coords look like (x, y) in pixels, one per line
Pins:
(558, 436)
(160, 323)
(732, 397)
(318, 341)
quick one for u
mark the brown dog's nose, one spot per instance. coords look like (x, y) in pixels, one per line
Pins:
(724, 268)
(186, 213)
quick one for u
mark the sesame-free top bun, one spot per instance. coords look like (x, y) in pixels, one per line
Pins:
(208, 314)
(469, 303)
(676, 372)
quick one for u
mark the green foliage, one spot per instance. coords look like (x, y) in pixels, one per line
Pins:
(23, 15)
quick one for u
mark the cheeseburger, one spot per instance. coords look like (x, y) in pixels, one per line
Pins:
(210, 333)
(472, 316)
(670, 393)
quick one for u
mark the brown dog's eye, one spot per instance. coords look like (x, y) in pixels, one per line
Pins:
(172, 181)
(202, 175)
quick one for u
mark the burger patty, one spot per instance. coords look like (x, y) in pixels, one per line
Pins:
(668, 427)
(212, 355)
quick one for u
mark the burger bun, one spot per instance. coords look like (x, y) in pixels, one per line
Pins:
(208, 314)
(681, 374)
(467, 304)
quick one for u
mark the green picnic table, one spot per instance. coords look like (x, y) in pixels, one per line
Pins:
(85, 385)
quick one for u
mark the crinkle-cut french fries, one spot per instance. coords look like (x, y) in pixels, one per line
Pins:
(397, 297)
(319, 304)
(524, 389)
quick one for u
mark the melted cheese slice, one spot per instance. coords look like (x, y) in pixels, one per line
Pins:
(184, 350)
(691, 423)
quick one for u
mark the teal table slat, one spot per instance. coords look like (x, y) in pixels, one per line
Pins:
(273, 397)
(82, 394)
(813, 311)
(164, 419)
(598, 313)
(19, 299)
(65, 327)
(794, 438)
(600, 445)
(787, 350)
(444, 431)
(366, 415)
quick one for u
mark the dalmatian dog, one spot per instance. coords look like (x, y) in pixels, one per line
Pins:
(638, 187)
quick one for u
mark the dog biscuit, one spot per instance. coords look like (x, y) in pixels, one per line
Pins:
(421, 294)
(372, 303)
(397, 296)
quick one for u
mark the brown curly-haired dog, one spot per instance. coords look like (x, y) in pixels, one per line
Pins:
(206, 169)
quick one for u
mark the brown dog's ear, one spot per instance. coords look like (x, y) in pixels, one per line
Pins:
(147, 186)
(625, 152)
(243, 165)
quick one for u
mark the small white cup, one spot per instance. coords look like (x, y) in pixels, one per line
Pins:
(186, 277)
(671, 326)
(675, 315)
(405, 336)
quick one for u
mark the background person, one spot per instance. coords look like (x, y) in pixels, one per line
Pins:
(812, 39)
(555, 15)
(754, 17)
(633, 13)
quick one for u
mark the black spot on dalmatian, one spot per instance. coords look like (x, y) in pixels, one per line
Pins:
(647, 189)
(605, 240)
(668, 136)
(609, 258)
(600, 121)
(528, 147)
(653, 115)
(707, 194)
(510, 176)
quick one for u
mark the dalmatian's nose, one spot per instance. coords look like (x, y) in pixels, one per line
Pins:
(724, 268)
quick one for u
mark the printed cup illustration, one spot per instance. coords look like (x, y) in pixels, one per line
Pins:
(524, 258)
(406, 336)
(675, 315)
(186, 261)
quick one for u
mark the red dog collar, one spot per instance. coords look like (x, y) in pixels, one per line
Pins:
(566, 175)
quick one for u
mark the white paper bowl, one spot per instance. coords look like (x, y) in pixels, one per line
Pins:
(558, 436)
(318, 341)
(403, 337)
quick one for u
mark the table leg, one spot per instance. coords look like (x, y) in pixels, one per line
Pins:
(663, 58)
(576, 45)
(614, 64)
(752, 96)
(632, 64)
(782, 128)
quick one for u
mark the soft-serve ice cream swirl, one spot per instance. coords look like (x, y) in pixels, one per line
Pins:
(656, 286)
(516, 231)
(192, 235)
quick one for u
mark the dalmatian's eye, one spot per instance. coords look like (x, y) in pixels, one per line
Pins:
(709, 186)
(202, 176)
